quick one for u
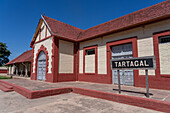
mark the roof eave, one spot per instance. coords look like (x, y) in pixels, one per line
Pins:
(64, 38)
(126, 27)
(36, 32)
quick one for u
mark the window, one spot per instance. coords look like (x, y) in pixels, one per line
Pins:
(161, 51)
(164, 39)
(90, 51)
(90, 60)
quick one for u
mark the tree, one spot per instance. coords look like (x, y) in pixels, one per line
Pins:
(4, 54)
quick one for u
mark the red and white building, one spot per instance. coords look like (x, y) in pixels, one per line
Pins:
(61, 52)
(21, 65)
(3, 71)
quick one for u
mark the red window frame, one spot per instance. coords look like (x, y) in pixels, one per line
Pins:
(156, 52)
(96, 64)
(132, 40)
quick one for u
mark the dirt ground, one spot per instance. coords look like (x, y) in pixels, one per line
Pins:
(13, 102)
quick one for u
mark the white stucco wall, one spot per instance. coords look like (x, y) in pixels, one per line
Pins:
(48, 33)
(66, 57)
(144, 44)
(37, 39)
(48, 44)
(43, 30)
(44, 34)
(80, 61)
(13, 69)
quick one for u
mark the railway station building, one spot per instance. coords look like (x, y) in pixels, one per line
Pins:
(61, 52)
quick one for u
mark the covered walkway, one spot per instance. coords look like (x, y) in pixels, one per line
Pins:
(21, 65)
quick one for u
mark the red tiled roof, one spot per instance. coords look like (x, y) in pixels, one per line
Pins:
(149, 14)
(62, 29)
(144, 16)
(24, 57)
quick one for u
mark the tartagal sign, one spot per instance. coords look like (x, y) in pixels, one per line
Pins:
(134, 63)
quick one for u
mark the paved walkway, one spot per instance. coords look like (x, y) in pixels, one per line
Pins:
(163, 95)
(13, 102)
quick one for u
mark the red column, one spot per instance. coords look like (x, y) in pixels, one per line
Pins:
(55, 59)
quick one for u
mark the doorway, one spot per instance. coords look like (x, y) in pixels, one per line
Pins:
(126, 76)
(41, 67)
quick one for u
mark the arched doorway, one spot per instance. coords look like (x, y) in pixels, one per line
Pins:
(41, 66)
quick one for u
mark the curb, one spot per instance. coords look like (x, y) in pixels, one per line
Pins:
(125, 99)
(130, 100)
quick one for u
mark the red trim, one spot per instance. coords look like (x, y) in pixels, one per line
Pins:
(61, 77)
(64, 77)
(132, 40)
(43, 39)
(55, 59)
(3, 71)
(40, 33)
(45, 31)
(154, 82)
(96, 78)
(78, 46)
(96, 59)
(156, 52)
(162, 75)
(42, 48)
(76, 60)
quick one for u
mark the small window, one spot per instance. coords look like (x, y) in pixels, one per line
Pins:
(90, 51)
(164, 39)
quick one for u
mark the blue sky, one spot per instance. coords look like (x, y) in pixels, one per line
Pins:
(19, 18)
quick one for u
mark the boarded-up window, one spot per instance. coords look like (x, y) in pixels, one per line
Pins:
(90, 60)
(164, 54)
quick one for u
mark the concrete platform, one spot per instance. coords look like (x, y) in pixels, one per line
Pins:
(12, 102)
(159, 99)
(157, 94)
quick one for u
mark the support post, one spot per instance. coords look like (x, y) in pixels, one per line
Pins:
(17, 70)
(118, 72)
(147, 84)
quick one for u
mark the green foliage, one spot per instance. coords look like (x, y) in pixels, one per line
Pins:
(4, 54)
(4, 77)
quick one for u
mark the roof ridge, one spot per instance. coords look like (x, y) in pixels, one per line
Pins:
(63, 23)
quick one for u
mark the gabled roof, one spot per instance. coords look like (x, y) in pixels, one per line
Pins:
(24, 57)
(62, 29)
(141, 17)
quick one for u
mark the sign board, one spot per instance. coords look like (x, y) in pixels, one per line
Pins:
(134, 63)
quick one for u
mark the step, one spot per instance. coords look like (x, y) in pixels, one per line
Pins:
(5, 89)
(6, 85)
